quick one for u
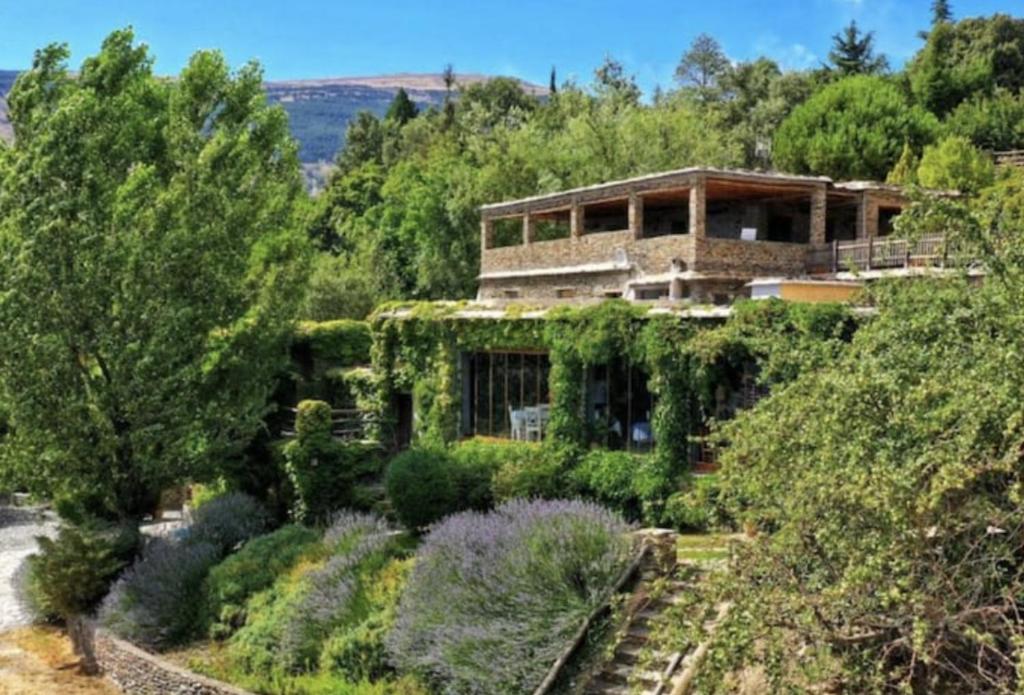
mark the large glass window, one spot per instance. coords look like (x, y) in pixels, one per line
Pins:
(507, 394)
(620, 405)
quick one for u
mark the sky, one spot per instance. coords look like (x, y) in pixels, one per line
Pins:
(296, 39)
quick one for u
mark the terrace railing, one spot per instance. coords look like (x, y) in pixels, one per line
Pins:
(877, 254)
(347, 424)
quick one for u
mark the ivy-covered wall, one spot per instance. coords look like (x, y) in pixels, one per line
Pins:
(417, 348)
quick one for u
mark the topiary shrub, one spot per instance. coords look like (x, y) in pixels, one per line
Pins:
(253, 568)
(494, 598)
(227, 521)
(323, 472)
(421, 487)
(156, 603)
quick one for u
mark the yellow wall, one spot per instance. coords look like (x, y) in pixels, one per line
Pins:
(817, 292)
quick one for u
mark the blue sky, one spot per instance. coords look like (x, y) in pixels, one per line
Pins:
(300, 38)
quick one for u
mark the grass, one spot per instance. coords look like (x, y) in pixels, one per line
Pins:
(704, 548)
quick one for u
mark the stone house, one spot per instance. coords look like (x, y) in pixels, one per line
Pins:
(704, 235)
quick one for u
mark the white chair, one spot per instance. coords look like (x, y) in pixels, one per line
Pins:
(517, 421)
(533, 426)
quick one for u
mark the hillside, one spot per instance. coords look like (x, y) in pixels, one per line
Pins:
(320, 109)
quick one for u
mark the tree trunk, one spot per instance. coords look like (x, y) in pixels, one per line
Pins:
(82, 633)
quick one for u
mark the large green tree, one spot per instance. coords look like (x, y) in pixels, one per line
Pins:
(150, 261)
(853, 53)
(853, 128)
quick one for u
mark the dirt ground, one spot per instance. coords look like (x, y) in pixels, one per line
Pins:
(39, 661)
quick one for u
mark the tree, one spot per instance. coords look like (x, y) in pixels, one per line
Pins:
(969, 58)
(941, 11)
(853, 53)
(990, 122)
(364, 142)
(611, 82)
(151, 260)
(701, 66)
(954, 164)
(904, 173)
(553, 82)
(402, 109)
(853, 128)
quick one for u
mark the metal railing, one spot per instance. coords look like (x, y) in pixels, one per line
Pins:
(877, 254)
(347, 424)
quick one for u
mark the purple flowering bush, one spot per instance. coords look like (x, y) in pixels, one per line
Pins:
(495, 597)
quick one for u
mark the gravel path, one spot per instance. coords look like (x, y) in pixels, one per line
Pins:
(18, 530)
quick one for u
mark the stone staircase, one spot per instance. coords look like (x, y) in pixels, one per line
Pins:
(634, 668)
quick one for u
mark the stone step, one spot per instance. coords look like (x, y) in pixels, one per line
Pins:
(626, 674)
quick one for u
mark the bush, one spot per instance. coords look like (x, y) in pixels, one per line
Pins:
(156, 603)
(955, 164)
(494, 598)
(253, 568)
(323, 471)
(421, 487)
(323, 612)
(536, 474)
(607, 477)
(71, 573)
(699, 507)
(227, 521)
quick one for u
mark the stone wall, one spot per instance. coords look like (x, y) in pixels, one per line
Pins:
(138, 672)
(750, 258)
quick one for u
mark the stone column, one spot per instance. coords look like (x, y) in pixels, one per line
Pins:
(486, 234)
(576, 221)
(636, 215)
(529, 229)
(698, 207)
(818, 208)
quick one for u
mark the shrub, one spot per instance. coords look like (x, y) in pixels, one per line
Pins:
(204, 493)
(156, 603)
(317, 604)
(72, 572)
(607, 476)
(954, 163)
(253, 568)
(494, 597)
(228, 520)
(323, 471)
(697, 508)
(421, 487)
(540, 474)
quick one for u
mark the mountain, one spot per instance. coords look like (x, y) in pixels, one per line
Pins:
(320, 109)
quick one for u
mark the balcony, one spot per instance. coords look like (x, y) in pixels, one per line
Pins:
(877, 254)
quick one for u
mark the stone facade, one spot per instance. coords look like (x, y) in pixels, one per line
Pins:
(712, 255)
(138, 672)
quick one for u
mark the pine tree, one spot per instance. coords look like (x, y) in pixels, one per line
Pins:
(402, 109)
(941, 12)
(553, 82)
(904, 173)
(702, 65)
(853, 53)
(448, 75)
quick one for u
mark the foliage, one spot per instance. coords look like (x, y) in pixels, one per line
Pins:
(342, 342)
(204, 493)
(156, 602)
(699, 507)
(853, 128)
(881, 477)
(531, 473)
(322, 471)
(702, 66)
(338, 289)
(971, 57)
(227, 521)
(151, 258)
(494, 598)
(253, 568)
(993, 122)
(427, 484)
(904, 173)
(954, 164)
(323, 620)
(71, 573)
(607, 477)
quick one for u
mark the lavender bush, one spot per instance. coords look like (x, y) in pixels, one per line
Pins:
(228, 520)
(155, 604)
(494, 598)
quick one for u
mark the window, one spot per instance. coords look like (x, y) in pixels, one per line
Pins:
(667, 213)
(611, 216)
(565, 292)
(649, 293)
(612, 294)
(499, 385)
(886, 218)
(619, 406)
(510, 294)
(552, 225)
(507, 232)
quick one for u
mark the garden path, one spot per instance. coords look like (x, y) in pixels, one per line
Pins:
(19, 527)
